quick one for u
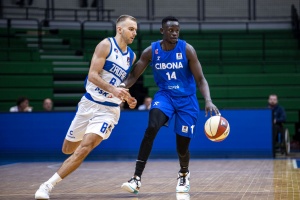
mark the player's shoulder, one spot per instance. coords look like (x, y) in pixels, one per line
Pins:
(185, 44)
(154, 45)
(104, 43)
(103, 46)
(188, 45)
(189, 48)
(147, 51)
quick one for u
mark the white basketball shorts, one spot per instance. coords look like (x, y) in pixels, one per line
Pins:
(93, 118)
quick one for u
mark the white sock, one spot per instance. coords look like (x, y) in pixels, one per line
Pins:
(54, 179)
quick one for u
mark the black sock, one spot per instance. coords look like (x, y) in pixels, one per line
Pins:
(184, 169)
(183, 152)
(139, 168)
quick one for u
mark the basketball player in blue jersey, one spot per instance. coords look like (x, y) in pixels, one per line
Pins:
(177, 72)
(98, 110)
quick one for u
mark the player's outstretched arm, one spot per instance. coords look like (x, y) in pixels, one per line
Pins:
(139, 67)
(201, 82)
(97, 63)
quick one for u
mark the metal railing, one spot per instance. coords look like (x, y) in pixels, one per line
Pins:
(196, 10)
(145, 29)
(53, 13)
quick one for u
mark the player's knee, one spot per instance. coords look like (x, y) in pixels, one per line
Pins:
(69, 147)
(67, 150)
(82, 151)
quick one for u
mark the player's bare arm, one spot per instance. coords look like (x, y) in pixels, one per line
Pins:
(139, 67)
(201, 82)
(97, 63)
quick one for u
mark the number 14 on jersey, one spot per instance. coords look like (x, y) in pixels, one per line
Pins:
(171, 76)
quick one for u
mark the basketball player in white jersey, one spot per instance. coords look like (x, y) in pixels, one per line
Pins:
(98, 110)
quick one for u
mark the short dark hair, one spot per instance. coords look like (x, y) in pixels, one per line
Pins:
(168, 18)
(124, 17)
(21, 100)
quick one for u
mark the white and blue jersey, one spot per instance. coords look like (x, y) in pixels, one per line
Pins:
(115, 70)
(177, 88)
(98, 111)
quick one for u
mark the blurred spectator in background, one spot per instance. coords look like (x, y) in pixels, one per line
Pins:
(279, 118)
(47, 105)
(22, 105)
(146, 105)
(278, 111)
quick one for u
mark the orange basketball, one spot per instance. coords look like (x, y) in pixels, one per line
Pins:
(216, 128)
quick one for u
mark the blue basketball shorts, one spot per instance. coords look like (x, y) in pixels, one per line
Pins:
(185, 109)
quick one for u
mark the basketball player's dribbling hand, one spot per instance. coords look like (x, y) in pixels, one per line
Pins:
(131, 102)
(210, 107)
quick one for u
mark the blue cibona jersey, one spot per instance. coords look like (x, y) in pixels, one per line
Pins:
(171, 70)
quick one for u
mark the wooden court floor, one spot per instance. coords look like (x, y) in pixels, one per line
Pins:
(217, 179)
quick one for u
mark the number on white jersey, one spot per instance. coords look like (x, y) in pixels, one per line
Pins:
(112, 81)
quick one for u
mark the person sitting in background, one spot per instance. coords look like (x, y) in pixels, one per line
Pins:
(146, 105)
(22, 105)
(279, 118)
(47, 105)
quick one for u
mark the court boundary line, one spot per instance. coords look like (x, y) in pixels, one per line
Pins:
(295, 164)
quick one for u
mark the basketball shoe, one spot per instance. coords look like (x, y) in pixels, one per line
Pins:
(182, 196)
(183, 184)
(133, 185)
(43, 191)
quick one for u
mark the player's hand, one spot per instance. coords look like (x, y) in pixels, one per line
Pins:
(210, 107)
(121, 93)
(131, 102)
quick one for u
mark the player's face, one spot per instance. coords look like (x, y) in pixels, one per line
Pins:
(171, 31)
(128, 30)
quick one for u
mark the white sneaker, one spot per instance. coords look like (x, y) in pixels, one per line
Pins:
(182, 196)
(133, 185)
(183, 184)
(43, 191)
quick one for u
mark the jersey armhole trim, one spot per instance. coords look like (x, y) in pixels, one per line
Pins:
(131, 55)
(110, 48)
